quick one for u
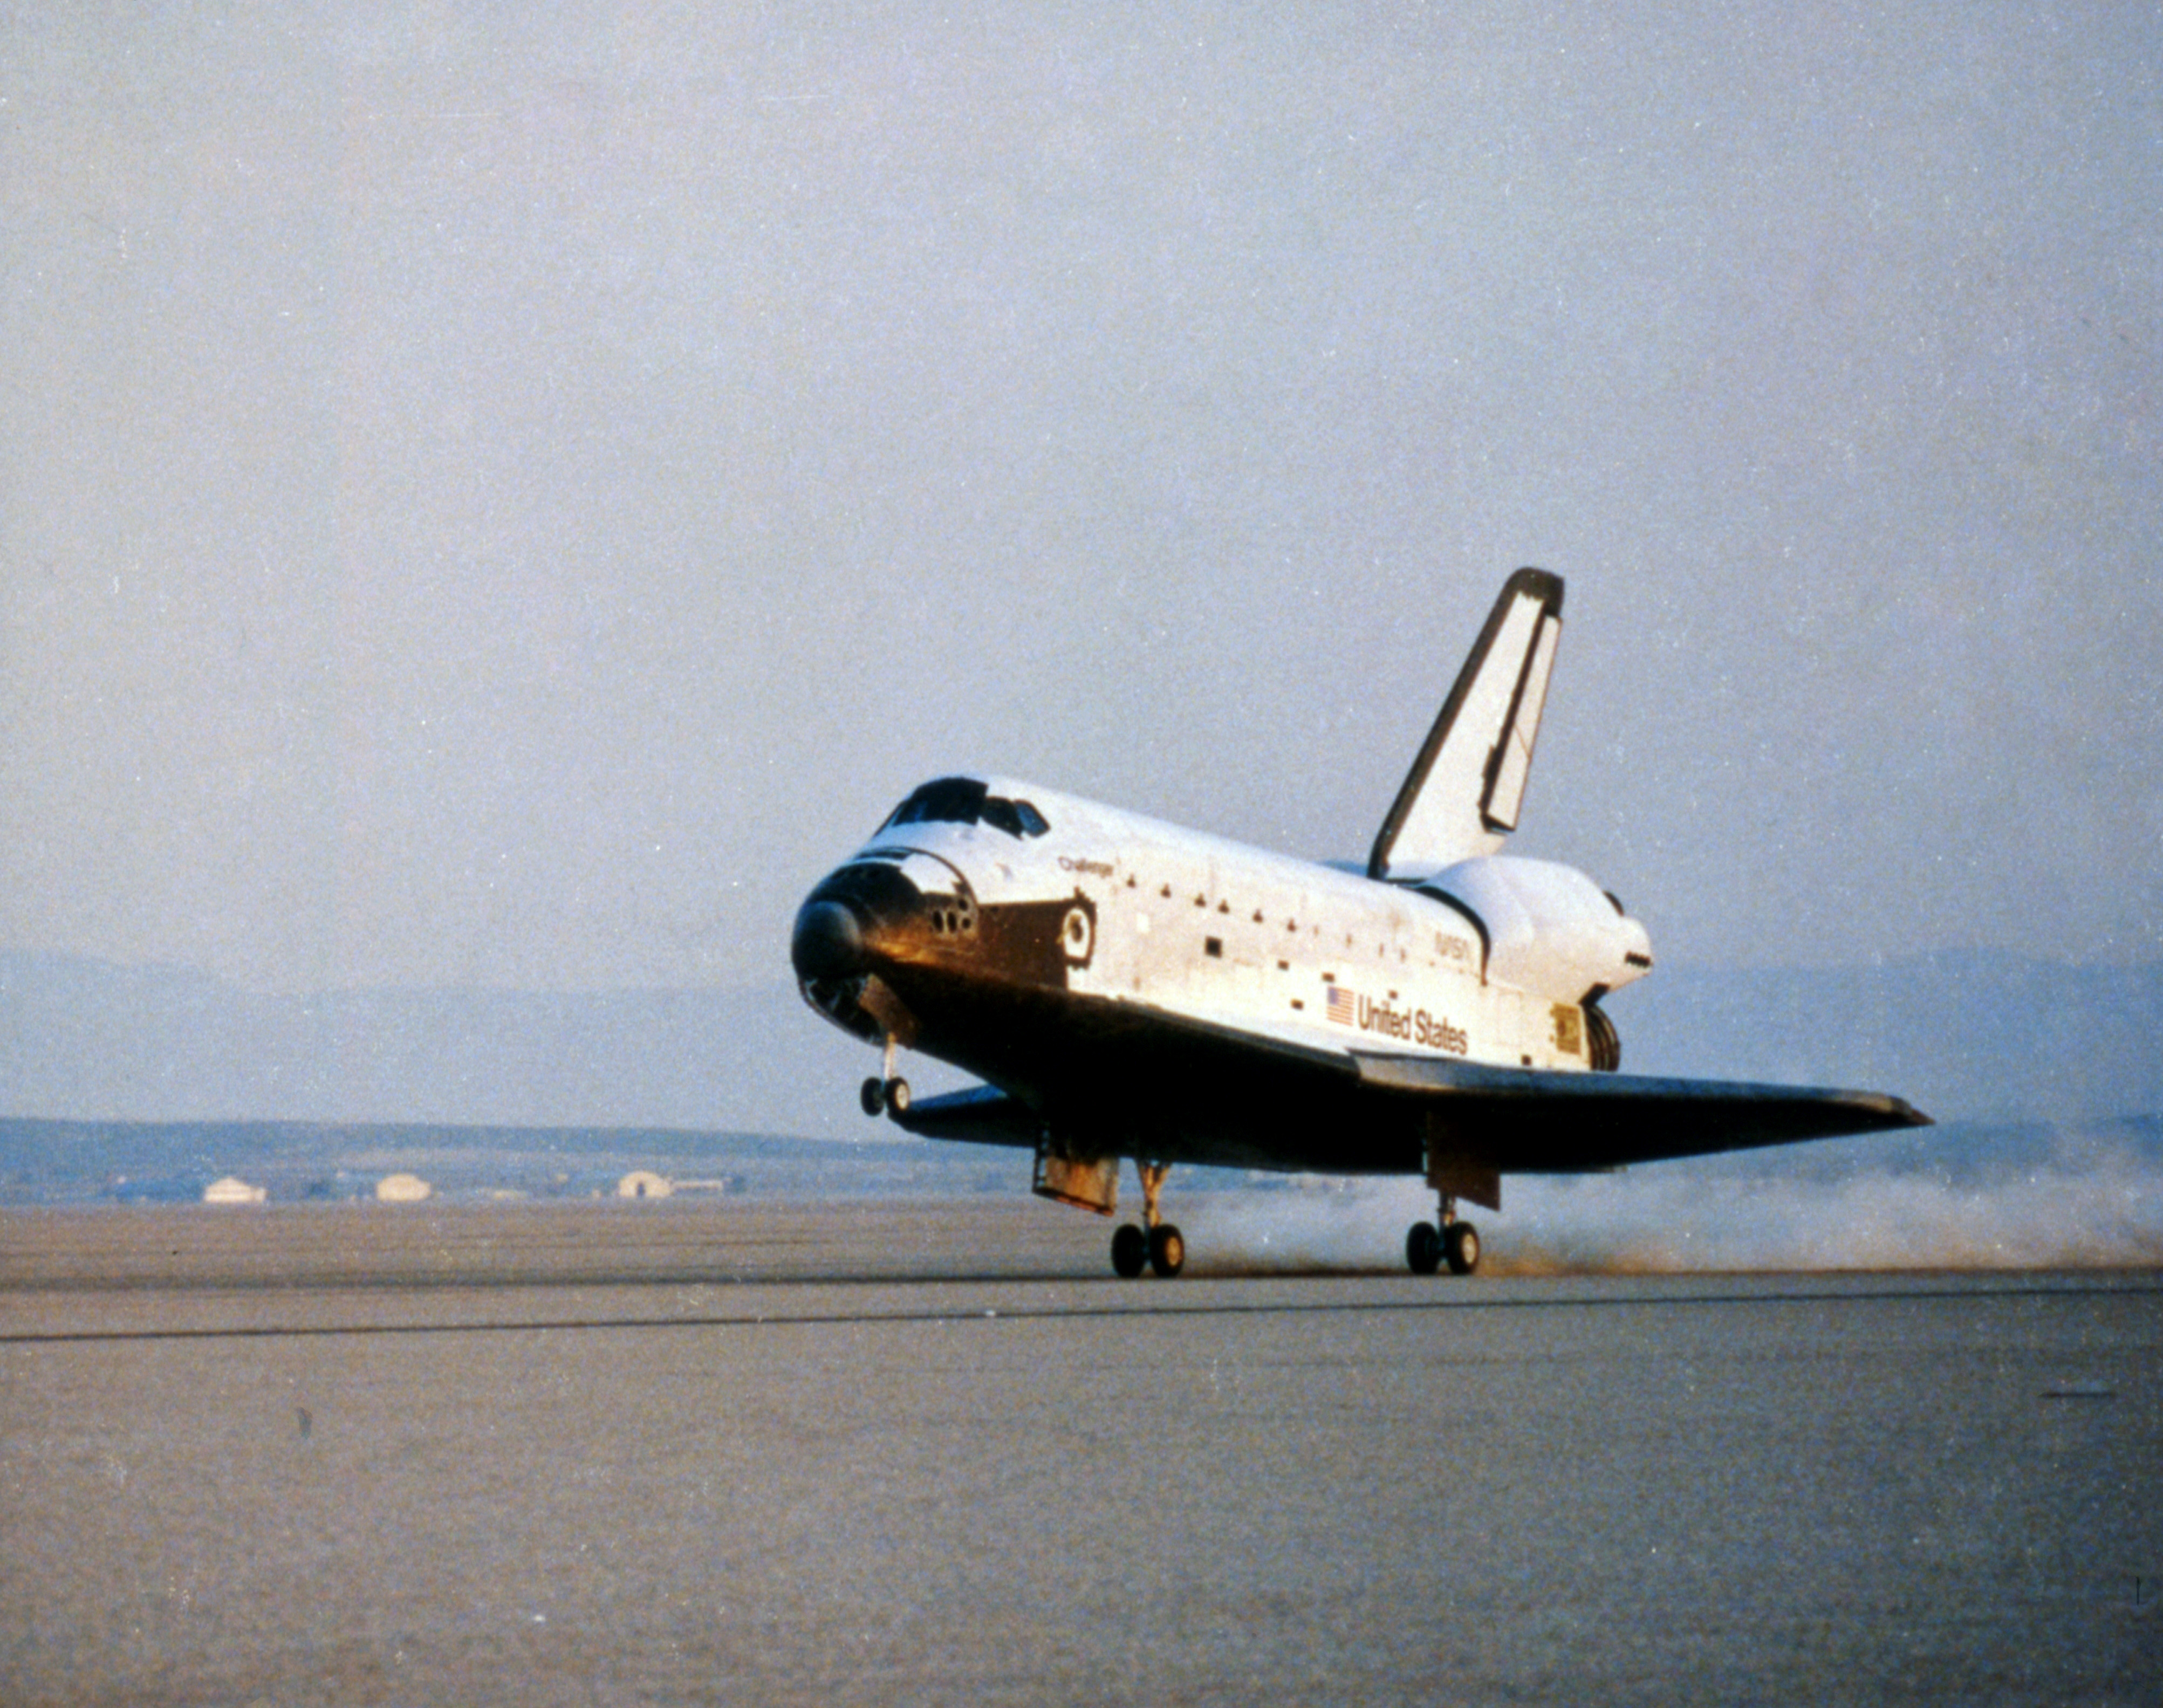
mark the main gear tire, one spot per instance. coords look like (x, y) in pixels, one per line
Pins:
(1167, 1251)
(1130, 1251)
(1423, 1248)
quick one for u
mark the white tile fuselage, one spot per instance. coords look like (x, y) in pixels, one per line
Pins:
(1211, 929)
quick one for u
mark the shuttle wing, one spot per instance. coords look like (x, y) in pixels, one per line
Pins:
(1462, 795)
(1533, 1121)
(1171, 1088)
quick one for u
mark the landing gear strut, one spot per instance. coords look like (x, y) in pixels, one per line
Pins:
(1428, 1246)
(1161, 1246)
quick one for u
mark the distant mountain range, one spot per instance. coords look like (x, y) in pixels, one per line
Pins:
(82, 1039)
(1971, 1037)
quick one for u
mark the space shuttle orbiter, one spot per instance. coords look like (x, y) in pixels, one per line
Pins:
(1128, 989)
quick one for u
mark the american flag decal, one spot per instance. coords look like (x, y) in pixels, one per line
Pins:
(1340, 1005)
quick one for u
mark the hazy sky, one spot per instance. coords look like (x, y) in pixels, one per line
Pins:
(509, 496)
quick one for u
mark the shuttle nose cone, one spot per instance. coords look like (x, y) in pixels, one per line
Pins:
(829, 942)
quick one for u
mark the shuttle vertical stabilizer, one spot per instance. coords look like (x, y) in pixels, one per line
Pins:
(1462, 797)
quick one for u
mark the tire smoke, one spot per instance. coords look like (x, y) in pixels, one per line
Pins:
(2071, 1201)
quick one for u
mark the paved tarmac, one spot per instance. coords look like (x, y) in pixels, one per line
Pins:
(936, 1453)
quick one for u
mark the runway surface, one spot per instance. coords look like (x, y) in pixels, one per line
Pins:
(936, 1452)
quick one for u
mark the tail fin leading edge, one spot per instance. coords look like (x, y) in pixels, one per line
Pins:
(1462, 796)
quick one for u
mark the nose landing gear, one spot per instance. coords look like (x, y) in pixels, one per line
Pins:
(1162, 1246)
(884, 1096)
(887, 1094)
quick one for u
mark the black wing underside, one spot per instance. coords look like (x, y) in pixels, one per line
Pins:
(1356, 1112)
(1529, 1122)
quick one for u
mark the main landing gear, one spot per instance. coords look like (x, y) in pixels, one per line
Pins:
(1427, 1247)
(1162, 1247)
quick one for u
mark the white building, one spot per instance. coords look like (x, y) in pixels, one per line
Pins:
(402, 1189)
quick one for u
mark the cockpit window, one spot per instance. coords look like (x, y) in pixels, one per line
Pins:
(958, 800)
(1016, 818)
(963, 800)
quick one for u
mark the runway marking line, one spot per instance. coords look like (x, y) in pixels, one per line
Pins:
(1051, 1313)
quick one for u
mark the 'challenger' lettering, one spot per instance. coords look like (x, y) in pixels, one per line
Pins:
(1095, 868)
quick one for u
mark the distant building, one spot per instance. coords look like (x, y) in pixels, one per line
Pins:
(402, 1189)
(234, 1190)
(644, 1183)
